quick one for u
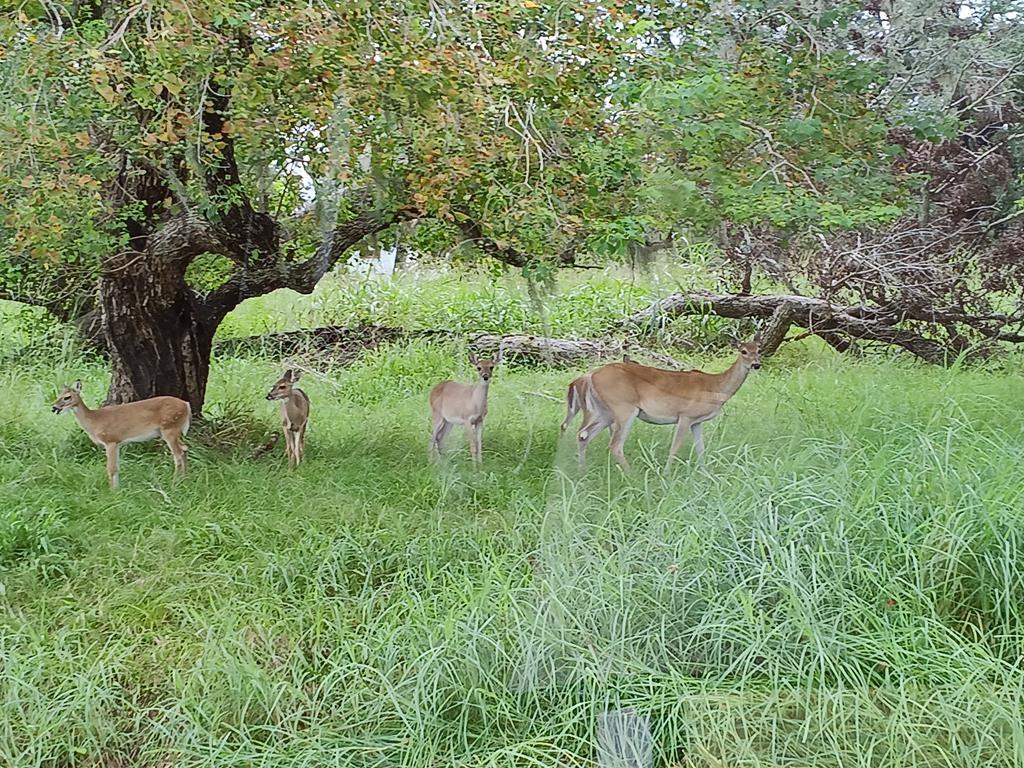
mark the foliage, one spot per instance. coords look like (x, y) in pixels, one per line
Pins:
(27, 533)
(543, 129)
(780, 136)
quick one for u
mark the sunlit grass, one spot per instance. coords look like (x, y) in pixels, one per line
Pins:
(842, 586)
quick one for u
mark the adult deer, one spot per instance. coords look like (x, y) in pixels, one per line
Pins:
(111, 425)
(453, 403)
(294, 414)
(616, 395)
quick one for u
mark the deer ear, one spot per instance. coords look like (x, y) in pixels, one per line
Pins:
(497, 356)
(77, 386)
(472, 357)
(757, 336)
(287, 374)
(296, 375)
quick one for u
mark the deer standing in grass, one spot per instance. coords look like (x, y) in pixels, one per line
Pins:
(294, 414)
(111, 425)
(616, 395)
(453, 403)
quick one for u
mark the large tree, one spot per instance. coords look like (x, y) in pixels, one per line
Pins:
(156, 151)
(158, 155)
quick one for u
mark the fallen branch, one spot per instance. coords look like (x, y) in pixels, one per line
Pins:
(345, 342)
(833, 323)
(563, 351)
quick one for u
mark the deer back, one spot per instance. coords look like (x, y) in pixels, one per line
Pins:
(295, 409)
(659, 393)
(141, 420)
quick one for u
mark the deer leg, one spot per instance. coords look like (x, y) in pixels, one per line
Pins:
(471, 436)
(293, 452)
(113, 463)
(571, 409)
(567, 420)
(592, 426)
(623, 422)
(173, 440)
(434, 432)
(682, 427)
(698, 441)
(478, 439)
(300, 443)
(587, 418)
(441, 430)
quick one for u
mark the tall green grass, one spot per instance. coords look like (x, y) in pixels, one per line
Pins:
(841, 587)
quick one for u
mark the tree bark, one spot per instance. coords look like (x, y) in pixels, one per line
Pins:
(159, 332)
(158, 341)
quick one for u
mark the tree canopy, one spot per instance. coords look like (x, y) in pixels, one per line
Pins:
(200, 153)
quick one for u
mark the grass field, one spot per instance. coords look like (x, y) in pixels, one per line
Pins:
(841, 587)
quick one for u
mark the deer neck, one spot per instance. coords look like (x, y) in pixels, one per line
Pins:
(730, 380)
(480, 394)
(83, 415)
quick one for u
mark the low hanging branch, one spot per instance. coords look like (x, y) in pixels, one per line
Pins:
(835, 324)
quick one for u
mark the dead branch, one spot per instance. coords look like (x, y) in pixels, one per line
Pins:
(833, 323)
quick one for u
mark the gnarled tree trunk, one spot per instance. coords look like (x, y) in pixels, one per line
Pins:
(159, 343)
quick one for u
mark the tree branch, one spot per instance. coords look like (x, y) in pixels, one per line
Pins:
(829, 321)
(368, 216)
(474, 234)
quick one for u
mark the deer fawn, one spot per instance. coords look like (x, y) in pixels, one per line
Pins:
(617, 394)
(454, 403)
(111, 425)
(294, 414)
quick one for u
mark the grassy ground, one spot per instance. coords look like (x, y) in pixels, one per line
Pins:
(842, 587)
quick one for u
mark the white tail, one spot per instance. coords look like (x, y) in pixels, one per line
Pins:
(111, 425)
(576, 397)
(575, 400)
(619, 393)
(294, 414)
(454, 403)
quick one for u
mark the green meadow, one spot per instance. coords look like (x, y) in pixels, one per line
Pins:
(841, 585)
